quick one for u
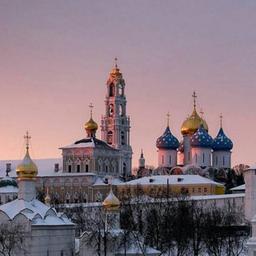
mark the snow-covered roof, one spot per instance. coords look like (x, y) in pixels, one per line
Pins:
(37, 212)
(8, 189)
(172, 179)
(46, 167)
(241, 187)
(100, 181)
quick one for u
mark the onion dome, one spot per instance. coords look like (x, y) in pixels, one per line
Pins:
(8, 181)
(201, 138)
(167, 140)
(115, 72)
(91, 126)
(111, 202)
(192, 123)
(222, 142)
(27, 169)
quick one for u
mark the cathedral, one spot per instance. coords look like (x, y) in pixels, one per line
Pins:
(197, 148)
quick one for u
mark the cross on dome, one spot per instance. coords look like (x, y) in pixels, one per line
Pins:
(194, 98)
(221, 120)
(27, 138)
(168, 119)
(116, 62)
(91, 108)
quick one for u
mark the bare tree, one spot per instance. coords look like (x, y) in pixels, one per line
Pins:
(12, 239)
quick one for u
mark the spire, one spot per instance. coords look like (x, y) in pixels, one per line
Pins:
(194, 99)
(115, 73)
(168, 119)
(221, 120)
(91, 108)
(141, 154)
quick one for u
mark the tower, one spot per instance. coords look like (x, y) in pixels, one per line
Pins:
(141, 161)
(222, 146)
(115, 124)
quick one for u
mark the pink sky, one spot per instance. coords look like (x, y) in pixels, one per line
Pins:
(55, 57)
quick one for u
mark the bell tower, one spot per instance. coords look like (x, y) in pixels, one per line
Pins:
(115, 124)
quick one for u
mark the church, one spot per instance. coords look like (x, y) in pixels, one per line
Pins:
(197, 147)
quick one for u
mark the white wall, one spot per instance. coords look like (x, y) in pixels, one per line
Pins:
(201, 156)
(167, 158)
(221, 159)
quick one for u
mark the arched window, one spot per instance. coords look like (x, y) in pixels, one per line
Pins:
(69, 168)
(110, 138)
(111, 90)
(203, 157)
(111, 110)
(124, 169)
(120, 90)
(196, 158)
(122, 138)
(78, 168)
(162, 159)
(86, 167)
(170, 159)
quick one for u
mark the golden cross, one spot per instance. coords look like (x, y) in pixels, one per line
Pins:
(194, 96)
(221, 118)
(168, 119)
(116, 62)
(91, 107)
(27, 137)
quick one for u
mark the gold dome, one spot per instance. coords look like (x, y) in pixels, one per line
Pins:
(27, 169)
(111, 202)
(192, 123)
(91, 125)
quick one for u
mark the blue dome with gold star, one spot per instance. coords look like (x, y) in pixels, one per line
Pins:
(222, 142)
(167, 140)
(201, 138)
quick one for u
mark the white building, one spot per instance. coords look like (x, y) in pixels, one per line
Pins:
(45, 231)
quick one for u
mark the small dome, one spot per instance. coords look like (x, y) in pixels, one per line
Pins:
(8, 181)
(167, 140)
(222, 142)
(192, 123)
(27, 169)
(201, 138)
(91, 127)
(111, 202)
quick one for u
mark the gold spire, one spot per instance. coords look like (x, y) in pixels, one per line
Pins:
(91, 126)
(111, 202)
(27, 170)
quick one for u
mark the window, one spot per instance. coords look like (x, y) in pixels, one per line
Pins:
(170, 160)
(106, 168)
(205, 190)
(223, 160)
(162, 159)
(78, 168)
(196, 157)
(111, 90)
(122, 138)
(121, 112)
(199, 190)
(110, 137)
(216, 160)
(69, 168)
(86, 168)
(203, 157)
(120, 90)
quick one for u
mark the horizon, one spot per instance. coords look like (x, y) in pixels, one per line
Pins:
(56, 58)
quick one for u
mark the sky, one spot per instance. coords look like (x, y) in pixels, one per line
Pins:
(55, 58)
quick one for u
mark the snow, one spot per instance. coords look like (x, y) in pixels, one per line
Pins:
(241, 187)
(8, 189)
(172, 179)
(35, 211)
(45, 168)
(80, 145)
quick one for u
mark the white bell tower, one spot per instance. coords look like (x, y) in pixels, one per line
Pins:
(115, 124)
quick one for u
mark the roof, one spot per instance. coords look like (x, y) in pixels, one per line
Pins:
(90, 143)
(172, 179)
(167, 140)
(46, 167)
(201, 138)
(35, 211)
(8, 189)
(222, 142)
(238, 188)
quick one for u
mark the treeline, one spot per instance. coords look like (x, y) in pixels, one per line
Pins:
(179, 226)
